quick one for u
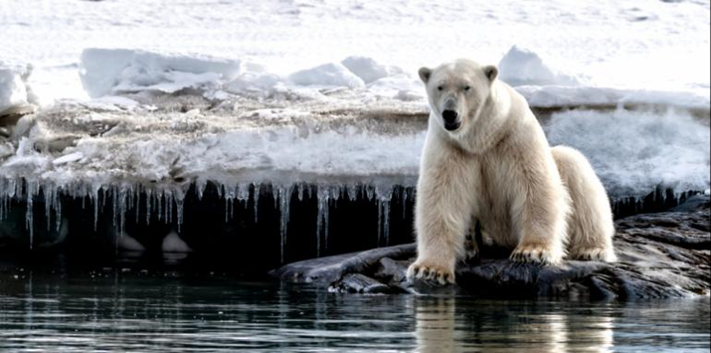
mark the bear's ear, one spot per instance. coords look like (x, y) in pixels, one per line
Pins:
(491, 72)
(425, 74)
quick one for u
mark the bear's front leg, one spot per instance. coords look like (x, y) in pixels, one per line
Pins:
(444, 205)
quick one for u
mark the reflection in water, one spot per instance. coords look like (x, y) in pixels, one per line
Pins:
(134, 313)
(502, 326)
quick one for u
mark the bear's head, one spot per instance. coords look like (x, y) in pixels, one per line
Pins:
(457, 91)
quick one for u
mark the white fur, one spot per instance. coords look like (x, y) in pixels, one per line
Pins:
(497, 168)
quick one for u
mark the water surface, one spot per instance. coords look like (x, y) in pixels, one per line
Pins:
(121, 312)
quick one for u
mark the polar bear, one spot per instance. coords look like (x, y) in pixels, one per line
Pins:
(487, 160)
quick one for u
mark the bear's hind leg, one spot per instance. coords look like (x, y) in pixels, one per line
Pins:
(590, 224)
(471, 247)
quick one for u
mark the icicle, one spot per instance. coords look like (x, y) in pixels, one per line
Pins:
(103, 197)
(301, 187)
(275, 194)
(352, 192)
(95, 196)
(242, 192)
(114, 199)
(179, 202)
(123, 197)
(227, 208)
(369, 192)
(137, 208)
(284, 208)
(384, 216)
(48, 198)
(230, 195)
(57, 211)
(326, 227)
(200, 186)
(322, 195)
(129, 197)
(149, 202)
(32, 190)
(168, 206)
(403, 196)
(336, 193)
(384, 195)
(159, 204)
(257, 187)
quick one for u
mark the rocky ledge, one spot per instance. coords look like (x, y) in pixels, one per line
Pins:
(661, 255)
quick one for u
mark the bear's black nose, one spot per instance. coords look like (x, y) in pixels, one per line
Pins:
(449, 116)
(450, 120)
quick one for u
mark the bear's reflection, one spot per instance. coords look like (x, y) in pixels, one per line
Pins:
(446, 325)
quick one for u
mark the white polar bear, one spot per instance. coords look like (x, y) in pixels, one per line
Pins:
(487, 159)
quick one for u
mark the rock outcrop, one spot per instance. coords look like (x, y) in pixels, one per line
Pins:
(661, 255)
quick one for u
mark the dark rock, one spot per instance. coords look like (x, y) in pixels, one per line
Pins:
(358, 283)
(328, 269)
(661, 255)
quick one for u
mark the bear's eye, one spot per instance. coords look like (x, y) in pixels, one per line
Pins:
(439, 88)
(467, 88)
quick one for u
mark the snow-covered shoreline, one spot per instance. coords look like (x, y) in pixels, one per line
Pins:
(161, 117)
(175, 95)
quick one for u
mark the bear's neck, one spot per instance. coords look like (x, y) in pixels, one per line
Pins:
(492, 124)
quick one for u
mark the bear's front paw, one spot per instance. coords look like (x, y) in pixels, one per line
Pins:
(593, 254)
(534, 254)
(430, 272)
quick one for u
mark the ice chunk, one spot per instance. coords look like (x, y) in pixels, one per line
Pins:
(15, 94)
(111, 71)
(6, 149)
(524, 67)
(368, 69)
(332, 74)
(72, 157)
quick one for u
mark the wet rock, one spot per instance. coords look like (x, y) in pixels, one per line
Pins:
(358, 283)
(661, 255)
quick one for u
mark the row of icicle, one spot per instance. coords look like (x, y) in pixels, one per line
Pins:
(163, 200)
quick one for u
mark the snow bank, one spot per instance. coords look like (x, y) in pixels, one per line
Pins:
(119, 71)
(114, 71)
(332, 74)
(15, 94)
(632, 151)
(567, 96)
(368, 69)
(521, 67)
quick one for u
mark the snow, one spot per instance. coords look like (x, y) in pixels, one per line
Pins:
(655, 45)
(566, 96)
(326, 92)
(115, 71)
(332, 74)
(521, 67)
(368, 69)
(631, 151)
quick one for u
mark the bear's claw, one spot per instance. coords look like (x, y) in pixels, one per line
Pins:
(535, 255)
(430, 273)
